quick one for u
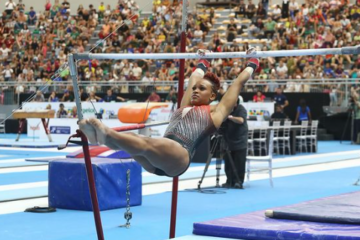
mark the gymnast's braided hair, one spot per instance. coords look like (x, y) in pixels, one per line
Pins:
(211, 77)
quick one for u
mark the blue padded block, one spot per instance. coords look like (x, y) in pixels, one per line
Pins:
(68, 186)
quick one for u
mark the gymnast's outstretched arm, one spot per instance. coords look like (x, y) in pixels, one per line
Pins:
(186, 100)
(227, 103)
(197, 75)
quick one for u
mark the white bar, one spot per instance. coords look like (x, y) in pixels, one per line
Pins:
(74, 77)
(258, 54)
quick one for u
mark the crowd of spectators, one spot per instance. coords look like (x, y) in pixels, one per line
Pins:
(34, 43)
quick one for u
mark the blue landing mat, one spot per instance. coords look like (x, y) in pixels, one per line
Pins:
(343, 209)
(151, 220)
(331, 218)
(255, 226)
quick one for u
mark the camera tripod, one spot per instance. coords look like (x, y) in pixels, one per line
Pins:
(219, 146)
(350, 118)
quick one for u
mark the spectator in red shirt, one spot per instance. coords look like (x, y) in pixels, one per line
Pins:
(9, 41)
(154, 97)
(259, 97)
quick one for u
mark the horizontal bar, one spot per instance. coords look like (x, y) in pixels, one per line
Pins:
(139, 126)
(260, 54)
(345, 81)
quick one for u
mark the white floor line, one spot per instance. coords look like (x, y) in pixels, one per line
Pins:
(23, 169)
(319, 155)
(12, 161)
(66, 150)
(23, 160)
(19, 206)
(23, 186)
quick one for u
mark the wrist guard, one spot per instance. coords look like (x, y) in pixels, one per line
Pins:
(203, 64)
(253, 63)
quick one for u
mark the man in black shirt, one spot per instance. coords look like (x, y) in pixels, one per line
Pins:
(281, 30)
(281, 99)
(241, 9)
(250, 10)
(235, 131)
(115, 43)
(278, 114)
(110, 97)
(265, 4)
(68, 96)
(123, 29)
(83, 95)
(231, 30)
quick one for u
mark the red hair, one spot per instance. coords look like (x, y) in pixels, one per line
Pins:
(214, 81)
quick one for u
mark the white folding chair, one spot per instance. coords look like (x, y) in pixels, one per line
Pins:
(2, 122)
(261, 159)
(301, 140)
(250, 145)
(276, 126)
(313, 135)
(284, 140)
(260, 142)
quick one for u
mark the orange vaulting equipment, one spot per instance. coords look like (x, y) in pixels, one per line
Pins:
(138, 112)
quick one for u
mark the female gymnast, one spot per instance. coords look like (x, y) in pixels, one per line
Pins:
(188, 127)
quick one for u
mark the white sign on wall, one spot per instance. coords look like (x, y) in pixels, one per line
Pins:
(63, 127)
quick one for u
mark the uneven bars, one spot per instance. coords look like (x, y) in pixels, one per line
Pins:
(138, 126)
(261, 54)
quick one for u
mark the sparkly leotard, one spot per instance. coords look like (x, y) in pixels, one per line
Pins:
(189, 126)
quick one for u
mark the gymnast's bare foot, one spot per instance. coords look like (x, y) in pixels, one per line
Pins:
(88, 130)
(102, 131)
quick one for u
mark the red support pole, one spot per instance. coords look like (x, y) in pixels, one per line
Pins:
(91, 182)
(176, 179)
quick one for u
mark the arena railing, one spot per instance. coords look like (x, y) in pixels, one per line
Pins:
(341, 86)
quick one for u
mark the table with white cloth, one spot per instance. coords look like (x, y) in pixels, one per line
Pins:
(294, 129)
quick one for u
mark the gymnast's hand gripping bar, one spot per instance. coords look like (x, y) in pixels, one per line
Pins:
(260, 54)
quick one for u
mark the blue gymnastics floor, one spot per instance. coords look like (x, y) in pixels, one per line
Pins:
(23, 177)
(350, 152)
(151, 220)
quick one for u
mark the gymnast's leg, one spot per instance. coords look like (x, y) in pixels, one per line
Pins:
(151, 153)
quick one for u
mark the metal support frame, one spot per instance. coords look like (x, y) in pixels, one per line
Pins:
(85, 145)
